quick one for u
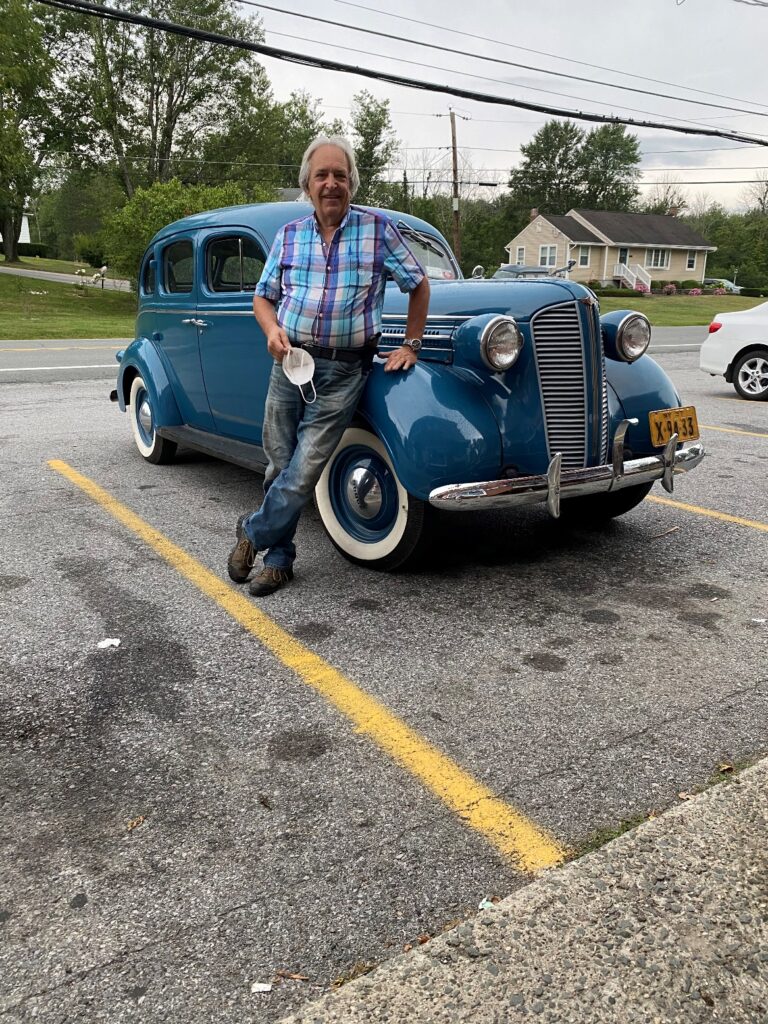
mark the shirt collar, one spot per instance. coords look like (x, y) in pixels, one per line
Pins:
(342, 224)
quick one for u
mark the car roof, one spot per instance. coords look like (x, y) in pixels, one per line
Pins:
(268, 218)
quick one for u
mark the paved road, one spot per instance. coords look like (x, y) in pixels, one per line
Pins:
(114, 284)
(186, 815)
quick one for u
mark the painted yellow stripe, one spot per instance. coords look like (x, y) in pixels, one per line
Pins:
(732, 430)
(517, 838)
(722, 516)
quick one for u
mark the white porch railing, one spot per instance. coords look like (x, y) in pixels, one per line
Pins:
(630, 276)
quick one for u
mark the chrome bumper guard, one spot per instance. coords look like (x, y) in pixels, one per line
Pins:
(572, 483)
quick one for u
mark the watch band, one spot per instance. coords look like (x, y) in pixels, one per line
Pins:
(413, 343)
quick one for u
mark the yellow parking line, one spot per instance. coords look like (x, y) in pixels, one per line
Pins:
(513, 835)
(732, 430)
(723, 516)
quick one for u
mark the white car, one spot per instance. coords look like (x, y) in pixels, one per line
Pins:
(722, 282)
(737, 348)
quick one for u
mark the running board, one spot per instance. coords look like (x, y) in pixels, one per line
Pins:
(249, 456)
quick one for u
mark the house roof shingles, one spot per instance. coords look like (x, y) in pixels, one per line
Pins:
(641, 228)
(573, 229)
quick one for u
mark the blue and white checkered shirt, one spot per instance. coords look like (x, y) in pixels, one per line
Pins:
(332, 295)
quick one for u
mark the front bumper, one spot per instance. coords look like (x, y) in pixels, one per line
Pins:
(572, 483)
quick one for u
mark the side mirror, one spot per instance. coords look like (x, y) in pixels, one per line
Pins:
(478, 272)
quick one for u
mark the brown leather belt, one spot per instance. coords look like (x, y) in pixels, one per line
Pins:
(343, 355)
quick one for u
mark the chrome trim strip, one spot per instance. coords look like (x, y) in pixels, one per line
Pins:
(213, 311)
(431, 316)
(534, 490)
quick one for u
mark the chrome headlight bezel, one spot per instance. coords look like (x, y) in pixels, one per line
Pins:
(490, 342)
(623, 350)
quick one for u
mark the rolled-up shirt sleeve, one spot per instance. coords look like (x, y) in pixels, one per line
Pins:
(270, 284)
(399, 261)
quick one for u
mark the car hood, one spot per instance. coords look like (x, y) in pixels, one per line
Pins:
(519, 299)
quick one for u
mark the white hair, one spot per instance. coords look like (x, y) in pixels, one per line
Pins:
(333, 140)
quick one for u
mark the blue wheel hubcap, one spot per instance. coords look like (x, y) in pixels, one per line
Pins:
(363, 493)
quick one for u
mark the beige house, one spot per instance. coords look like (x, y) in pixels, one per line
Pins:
(628, 249)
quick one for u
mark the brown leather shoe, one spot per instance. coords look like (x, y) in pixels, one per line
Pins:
(269, 580)
(242, 556)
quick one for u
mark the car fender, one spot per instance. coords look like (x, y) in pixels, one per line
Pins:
(142, 357)
(436, 426)
(640, 387)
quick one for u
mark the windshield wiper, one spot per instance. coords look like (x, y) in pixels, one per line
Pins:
(425, 240)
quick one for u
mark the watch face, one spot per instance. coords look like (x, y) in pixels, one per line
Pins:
(414, 343)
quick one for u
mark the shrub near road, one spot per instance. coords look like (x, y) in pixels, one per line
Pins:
(32, 308)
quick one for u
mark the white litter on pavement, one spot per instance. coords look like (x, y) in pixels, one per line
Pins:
(111, 641)
(261, 986)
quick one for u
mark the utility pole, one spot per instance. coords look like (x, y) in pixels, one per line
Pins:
(456, 224)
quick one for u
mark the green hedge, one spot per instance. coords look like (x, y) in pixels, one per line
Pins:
(32, 249)
(618, 293)
(755, 293)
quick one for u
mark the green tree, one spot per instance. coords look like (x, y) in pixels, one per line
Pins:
(79, 206)
(152, 98)
(375, 143)
(128, 231)
(563, 167)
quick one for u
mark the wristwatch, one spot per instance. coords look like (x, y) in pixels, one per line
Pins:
(414, 344)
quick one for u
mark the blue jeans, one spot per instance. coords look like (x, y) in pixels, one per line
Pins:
(298, 440)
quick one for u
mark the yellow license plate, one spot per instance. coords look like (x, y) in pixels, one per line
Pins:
(666, 422)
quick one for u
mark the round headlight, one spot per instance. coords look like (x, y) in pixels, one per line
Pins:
(501, 343)
(633, 337)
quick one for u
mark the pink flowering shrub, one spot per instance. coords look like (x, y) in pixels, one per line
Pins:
(695, 291)
(719, 291)
(669, 289)
(641, 287)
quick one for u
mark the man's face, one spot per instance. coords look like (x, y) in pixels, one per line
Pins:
(329, 183)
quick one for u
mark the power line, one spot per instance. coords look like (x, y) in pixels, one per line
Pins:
(493, 60)
(99, 10)
(543, 53)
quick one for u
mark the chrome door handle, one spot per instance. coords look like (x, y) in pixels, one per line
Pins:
(197, 323)
(189, 320)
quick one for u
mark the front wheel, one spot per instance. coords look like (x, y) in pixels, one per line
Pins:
(368, 514)
(750, 376)
(141, 414)
(594, 509)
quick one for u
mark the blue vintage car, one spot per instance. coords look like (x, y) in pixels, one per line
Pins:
(522, 394)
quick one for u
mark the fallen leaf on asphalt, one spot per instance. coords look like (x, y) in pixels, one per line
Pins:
(291, 977)
(652, 815)
(407, 947)
(725, 767)
(658, 536)
(685, 796)
(135, 822)
(424, 938)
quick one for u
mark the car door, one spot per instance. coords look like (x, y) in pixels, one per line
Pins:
(178, 328)
(233, 350)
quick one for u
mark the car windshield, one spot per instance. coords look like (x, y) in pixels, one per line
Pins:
(430, 253)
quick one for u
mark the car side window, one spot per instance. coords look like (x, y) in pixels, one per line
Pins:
(178, 266)
(234, 264)
(148, 277)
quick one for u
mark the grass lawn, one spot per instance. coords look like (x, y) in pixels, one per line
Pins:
(679, 310)
(54, 266)
(63, 311)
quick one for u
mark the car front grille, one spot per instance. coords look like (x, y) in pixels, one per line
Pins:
(559, 345)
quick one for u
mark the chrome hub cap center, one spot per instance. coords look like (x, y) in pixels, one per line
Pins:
(145, 417)
(364, 493)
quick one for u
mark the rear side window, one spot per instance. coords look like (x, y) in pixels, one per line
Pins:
(234, 264)
(148, 277)
(178, 267)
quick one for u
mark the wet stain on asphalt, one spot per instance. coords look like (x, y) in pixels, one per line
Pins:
(609, 658)
(312, 632)
(603, 615)
(545, 662)
(4, 916)
(365, 604)
(708, 620)
(707, 591)
(299, 745)
(78, 901)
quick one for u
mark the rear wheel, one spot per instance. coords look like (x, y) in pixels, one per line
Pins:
(750, 375)
(593, 509)
(142, 416)
(368, 514)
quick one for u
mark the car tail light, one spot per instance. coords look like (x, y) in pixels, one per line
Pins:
(714, 326)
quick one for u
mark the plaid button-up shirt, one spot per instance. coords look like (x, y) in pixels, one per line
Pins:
(333, 294)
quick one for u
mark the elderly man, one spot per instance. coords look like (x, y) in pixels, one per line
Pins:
(322, 289)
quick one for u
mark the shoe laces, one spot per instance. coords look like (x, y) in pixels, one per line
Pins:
(248, 551)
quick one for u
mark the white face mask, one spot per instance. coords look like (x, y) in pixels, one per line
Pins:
(299, 368)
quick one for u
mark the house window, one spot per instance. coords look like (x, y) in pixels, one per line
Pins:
(547, 255)
(690, 263)
(520, 257)
(583, 255)
(657, 258)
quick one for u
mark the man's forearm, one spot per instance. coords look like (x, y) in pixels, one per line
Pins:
(418, 304)
(265, 313)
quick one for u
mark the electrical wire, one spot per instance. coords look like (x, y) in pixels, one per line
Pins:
(111, 14)
(493, 60)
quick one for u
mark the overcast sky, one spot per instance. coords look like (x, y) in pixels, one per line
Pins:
(717, 46)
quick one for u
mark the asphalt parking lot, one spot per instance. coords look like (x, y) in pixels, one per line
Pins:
(282, 797)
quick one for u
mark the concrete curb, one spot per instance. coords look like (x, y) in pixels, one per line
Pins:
(668, 923)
